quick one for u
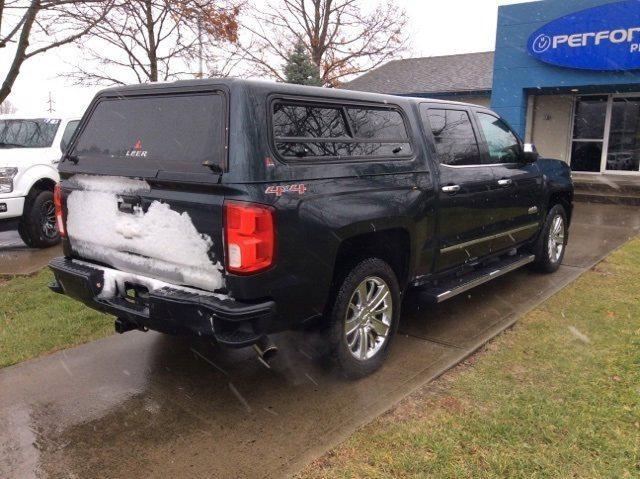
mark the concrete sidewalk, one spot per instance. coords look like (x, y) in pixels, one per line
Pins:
(16, 258)
(147, 405)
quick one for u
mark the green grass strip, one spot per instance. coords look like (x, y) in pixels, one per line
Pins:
(35, 321)
(556, 396)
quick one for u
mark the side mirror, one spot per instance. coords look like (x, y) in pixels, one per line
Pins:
(530, 153)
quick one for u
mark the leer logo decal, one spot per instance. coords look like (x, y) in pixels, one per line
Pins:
(137, 150)
(280, 190)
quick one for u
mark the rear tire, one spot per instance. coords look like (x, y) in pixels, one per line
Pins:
(364, 318)
(551, 244)
(37, 227)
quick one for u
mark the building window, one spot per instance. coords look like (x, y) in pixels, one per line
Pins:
(586, 156)
(606, 133)
(588, 133)
(624, 136)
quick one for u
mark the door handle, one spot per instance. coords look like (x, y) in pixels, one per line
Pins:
(505, 182)
(451, 189)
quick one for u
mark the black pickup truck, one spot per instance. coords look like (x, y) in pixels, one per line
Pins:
(236, 209)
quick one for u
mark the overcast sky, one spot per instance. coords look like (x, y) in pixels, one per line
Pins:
(438, 28)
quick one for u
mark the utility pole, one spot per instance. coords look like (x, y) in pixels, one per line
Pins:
(51, 104)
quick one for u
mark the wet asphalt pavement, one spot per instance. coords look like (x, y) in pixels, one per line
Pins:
(148, 405)
(17, 258)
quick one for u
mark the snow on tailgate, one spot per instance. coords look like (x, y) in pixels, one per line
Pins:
(160, 243)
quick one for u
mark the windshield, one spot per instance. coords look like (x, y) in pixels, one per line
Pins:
(32, 133)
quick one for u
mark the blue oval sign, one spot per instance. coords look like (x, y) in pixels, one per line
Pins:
(603, 38)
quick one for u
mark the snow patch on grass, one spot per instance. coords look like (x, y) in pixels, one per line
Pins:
(579, 335)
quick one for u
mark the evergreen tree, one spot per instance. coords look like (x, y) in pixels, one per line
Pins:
(300, 69)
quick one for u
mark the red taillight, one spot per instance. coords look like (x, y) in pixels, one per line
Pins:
(57, 201)
(250, 237)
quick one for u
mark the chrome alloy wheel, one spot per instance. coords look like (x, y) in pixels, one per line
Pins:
(556, 239)
(48, 218)
(368, 319)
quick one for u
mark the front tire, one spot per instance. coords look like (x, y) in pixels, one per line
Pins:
(551, 245)
(37, 227)
(364, 318)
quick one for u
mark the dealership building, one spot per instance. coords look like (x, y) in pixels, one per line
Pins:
(565, 74)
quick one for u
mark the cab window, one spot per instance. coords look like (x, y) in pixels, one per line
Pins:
(455, 140)
(502, 144)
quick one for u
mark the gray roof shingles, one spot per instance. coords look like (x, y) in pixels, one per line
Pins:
(469, 72)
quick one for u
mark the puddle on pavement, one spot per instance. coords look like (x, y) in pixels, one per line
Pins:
(222, 404)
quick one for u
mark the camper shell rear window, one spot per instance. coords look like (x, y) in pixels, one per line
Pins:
(160, 132)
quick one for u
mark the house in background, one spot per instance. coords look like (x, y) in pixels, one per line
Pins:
(467, 77)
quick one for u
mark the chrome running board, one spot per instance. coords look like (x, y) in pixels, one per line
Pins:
(454, 287)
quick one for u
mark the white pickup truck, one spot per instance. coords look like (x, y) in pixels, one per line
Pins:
(30, 149)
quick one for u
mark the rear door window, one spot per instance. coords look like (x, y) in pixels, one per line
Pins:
(325, 132)
(455, 140)
(176, 133)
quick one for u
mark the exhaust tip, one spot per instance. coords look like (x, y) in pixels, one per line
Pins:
(269, 353)
(266, 350)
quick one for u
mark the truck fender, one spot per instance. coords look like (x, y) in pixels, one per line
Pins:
(382, 227)
(25, 181)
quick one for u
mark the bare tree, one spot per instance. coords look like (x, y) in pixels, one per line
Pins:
(156, 40)
(7, 108)
(342, 37)
(33, 27)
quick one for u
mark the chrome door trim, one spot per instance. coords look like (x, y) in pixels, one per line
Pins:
(482, 165)
(466, 244)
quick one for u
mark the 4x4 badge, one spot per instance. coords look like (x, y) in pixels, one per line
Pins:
(280, 190)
